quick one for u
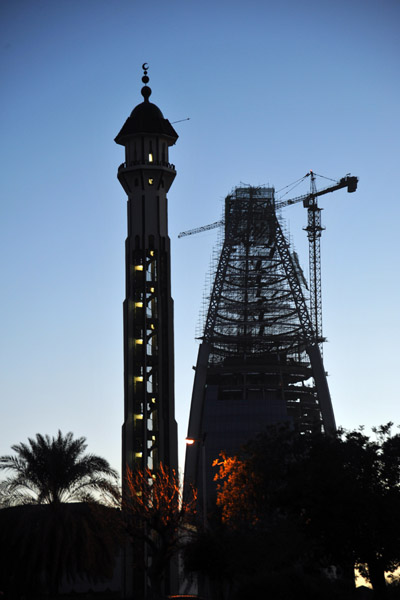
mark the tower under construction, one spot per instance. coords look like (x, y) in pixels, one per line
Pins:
(259, 361)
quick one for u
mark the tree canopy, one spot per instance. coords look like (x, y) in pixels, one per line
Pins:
(158, 517)
(317, 500)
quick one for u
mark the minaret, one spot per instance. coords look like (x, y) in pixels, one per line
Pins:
(149, 433)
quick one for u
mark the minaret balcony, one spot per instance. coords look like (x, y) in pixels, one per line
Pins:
(140, 164)
(142, 174)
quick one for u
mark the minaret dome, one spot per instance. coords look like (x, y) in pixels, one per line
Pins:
(146, 136)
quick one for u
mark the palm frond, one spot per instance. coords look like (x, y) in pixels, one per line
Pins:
(54, 470)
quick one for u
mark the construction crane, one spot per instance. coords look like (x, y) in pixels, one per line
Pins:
(314, 229)
(348, 181)
(201, 229)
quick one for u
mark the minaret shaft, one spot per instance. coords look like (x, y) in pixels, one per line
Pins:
(149, 421)
(149, 431)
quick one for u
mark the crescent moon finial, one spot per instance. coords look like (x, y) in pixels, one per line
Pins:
(146, 91)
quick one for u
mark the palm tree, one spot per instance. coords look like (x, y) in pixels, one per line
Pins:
(58, 519)
(54, 470)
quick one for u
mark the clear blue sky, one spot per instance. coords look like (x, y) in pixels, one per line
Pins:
(272, 90)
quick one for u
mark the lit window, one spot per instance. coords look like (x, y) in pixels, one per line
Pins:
(152, 290)
(150, 157)
(151, 181)
(138, 378)
(138, 267)
(152, 326)
(139, 341)
(151, 252)
(139, 304)
(138, 455)
(138, 416)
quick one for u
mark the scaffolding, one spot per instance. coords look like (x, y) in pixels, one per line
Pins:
(257, 324)
(259, 361)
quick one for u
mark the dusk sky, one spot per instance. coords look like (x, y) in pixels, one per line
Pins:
(272, 90)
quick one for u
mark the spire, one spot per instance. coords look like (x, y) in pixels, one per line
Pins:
(146, 118)
(146, 91)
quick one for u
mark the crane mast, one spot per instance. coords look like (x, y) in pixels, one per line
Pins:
(314, 230)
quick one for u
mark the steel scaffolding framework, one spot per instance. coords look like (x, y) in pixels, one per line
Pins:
(259, 361)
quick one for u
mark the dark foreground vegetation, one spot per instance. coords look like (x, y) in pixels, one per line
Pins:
(293, 515)
(57, 521)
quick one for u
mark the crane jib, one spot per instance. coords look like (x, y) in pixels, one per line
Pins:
(349, 181)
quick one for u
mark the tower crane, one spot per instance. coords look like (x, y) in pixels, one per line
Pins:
(314, 229)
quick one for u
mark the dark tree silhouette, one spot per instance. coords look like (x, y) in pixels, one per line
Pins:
(54, 470)
(54, 522)
(340, 494)
(158, 517)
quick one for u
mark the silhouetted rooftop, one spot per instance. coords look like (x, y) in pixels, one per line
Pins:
(146, 118)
